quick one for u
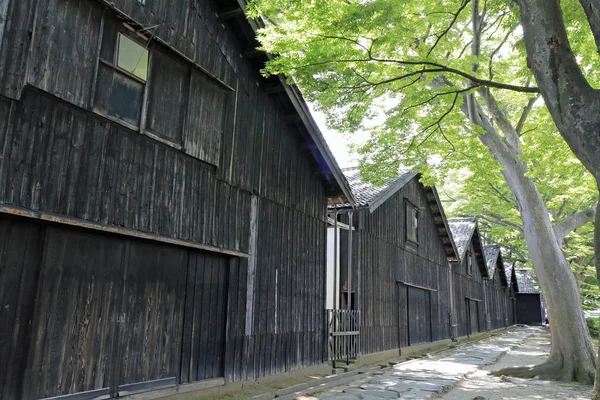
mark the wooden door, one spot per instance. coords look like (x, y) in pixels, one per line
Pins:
(203, 355)
(74, 328)
(108, 315)
(20, 251)
(419, 316)
(474, 316)
(151, 316)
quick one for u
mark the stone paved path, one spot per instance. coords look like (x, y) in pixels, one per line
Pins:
(429, 377)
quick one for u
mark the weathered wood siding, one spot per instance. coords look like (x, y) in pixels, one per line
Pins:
(528, 309)
(496, 296)
(192, 172)
(388, 307)
(468, 287)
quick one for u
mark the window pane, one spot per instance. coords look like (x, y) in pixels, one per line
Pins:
(132, 57)
(126, 99)
(411, 222)
(119, 95)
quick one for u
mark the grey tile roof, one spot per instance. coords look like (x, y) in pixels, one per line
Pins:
(365, 193)
(491, 252)
(462, 231)
(526, 282)
(508, 266)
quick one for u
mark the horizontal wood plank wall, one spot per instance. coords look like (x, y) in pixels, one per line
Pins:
(467, 286)
(386, 258)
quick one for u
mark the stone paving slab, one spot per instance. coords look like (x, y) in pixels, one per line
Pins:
(425, 378)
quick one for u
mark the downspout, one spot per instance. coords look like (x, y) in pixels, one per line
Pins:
(487, 322)
(349, 305)
(452, 306)
(336, 292)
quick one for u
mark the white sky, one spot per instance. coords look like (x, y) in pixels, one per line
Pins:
(338, 142)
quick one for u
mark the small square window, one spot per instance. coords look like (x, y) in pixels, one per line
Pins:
(469, 263)
(132, 57)
(412, 223)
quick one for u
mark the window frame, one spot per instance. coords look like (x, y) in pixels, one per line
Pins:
(469, 263)
(123, 70)
(409, 207)
(111, 28)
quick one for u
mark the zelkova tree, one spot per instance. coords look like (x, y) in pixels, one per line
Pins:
(436, 82)
(567, 188)
(564, 75)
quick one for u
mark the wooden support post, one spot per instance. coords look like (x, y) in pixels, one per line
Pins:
(335, 259)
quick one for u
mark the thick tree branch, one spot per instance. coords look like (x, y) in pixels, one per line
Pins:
(572, 102)
(501, 119)
(592, 12)
(564, 227)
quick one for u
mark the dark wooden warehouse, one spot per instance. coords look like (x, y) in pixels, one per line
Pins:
(529, 307)
(399, 273)
(162, 206)
(509, 271)
(497, 293)
(468, 276)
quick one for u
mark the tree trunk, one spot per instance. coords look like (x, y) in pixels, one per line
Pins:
(572, 356)
(572, 102)
(596, 392)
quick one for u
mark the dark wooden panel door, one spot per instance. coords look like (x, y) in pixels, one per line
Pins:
(205, 317)
(20, 252)
(419, 316)
(402, 316)
(152, 314)
(76, 313)
(474, 316)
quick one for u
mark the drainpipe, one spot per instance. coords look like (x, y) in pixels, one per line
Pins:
(452, 306)
(349, 260)
(336, 292)
(484, 285)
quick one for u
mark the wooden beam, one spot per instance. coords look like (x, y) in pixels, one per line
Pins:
(80, 223)
(274, 87)
(228, 13)
(291, 119)
(251, 53)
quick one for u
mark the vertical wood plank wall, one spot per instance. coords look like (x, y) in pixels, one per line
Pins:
(60, 157)
(385, 258)
(498, 299)
(468, 287)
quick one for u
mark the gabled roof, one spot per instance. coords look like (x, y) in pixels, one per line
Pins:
(370, 196)
(462, 231)
(493, 258)
(510, 274)
(465, 230)
(526, 281)
(289, 99)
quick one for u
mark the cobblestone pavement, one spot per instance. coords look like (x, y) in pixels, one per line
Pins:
(428, 378)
